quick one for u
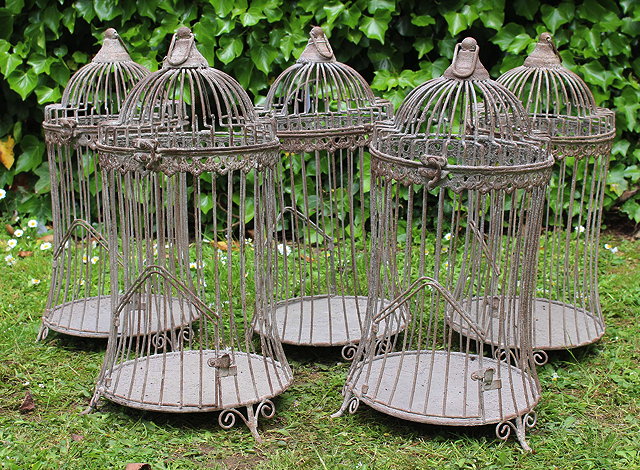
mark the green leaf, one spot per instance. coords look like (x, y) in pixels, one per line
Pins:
(40, 63)
(43, 185)
(222, 7)
(106, 10)
(6, 23)
(229, 48)
(506, 36)
(8, 63)
(47, 95)
(60, 73)
(251, 17)
(332, 12)
(23, 83)
(423, 46)
(85, 8)
(375, 27)
(457, 22)
(422, 20)
(493, 19)
(32, 154)
(263, 55)
(51, 18)
(554, 17)
(526, 8)
(15, 6)
(632, 209)
(377, 5)
(147, 8)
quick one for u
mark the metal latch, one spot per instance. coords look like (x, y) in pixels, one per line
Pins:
(486, 376)
(223, 366)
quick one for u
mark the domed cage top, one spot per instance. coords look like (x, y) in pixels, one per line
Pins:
(567, 311)
(324, 111)
(458, 181)
(78, 301)
(189, 168)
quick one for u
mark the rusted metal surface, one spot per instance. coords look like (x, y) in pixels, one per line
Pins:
(78, 301)
(186, 133)
(324, 112)
(567, 311)
(458, 184)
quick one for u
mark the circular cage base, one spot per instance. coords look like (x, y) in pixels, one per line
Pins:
(90, 317)
(556, 325)
(398, 384)
(325, 320)
(183, 382)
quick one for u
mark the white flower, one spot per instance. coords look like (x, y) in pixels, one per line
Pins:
(3, 194)
(447, 236)
(580, 229)
(33, 223)
(94, 244)
(607, 246)
(446, 265)
(26, 383)
(284, 249)
(445, 249)
(95, 259)
(614, 250)
(193, 265)
(18, 233)
(82, 282)
(554, 377)
(12, 243)
(34, 282)
(45, 246)
(10, 260)
(85, 259)
(41, 385)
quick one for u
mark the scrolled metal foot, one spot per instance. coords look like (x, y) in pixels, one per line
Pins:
(43, 333)
(349, 351)
(350, 404)
(266, 409)
(540, 357)
(519, 425)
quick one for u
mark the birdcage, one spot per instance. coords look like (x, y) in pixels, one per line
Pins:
(324, 111)
(567, 311)
(455, 221)
(78, 302)
(189, 169)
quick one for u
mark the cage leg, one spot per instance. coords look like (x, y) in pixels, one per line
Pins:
(266, 409)
(93, 404)
(350, 403)
(519, 425)
(43, 333)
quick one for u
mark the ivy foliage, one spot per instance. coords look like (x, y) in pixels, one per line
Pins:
(395, 44)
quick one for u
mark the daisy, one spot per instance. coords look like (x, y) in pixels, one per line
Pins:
(82, 282)
(33, 223)
(45, 246)
(34, 282)
(580, 229)
(3, 194)
(193, 265)
(447, 236)
(12, 243)
(18, 233)
(607, 246)
(10, 260)
(614, 250)
(95, 259)
(85, 259)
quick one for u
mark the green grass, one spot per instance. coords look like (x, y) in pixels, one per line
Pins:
(587, 418)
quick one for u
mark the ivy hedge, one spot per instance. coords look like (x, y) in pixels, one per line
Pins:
(395, 44)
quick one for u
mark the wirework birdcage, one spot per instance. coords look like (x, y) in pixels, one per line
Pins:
(189, 169)
(567, 310)
(456, 216)
(78, 302)
(325, 112)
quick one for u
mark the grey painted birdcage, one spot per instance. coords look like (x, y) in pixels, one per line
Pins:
(458, 184)
(567, 311)
(79, 302)
(324, 112)
(189, 169)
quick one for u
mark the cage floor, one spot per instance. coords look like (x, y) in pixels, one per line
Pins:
(325, 320)
(182, 382)
(398, 385)
(90, 317)
(556, 325)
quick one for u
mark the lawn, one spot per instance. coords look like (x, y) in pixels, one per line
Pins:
(587, 418)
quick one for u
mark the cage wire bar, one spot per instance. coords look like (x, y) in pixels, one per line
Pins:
(458, 182)
(324, 112)
(567, 311)
(193, 282)
(78, 303)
